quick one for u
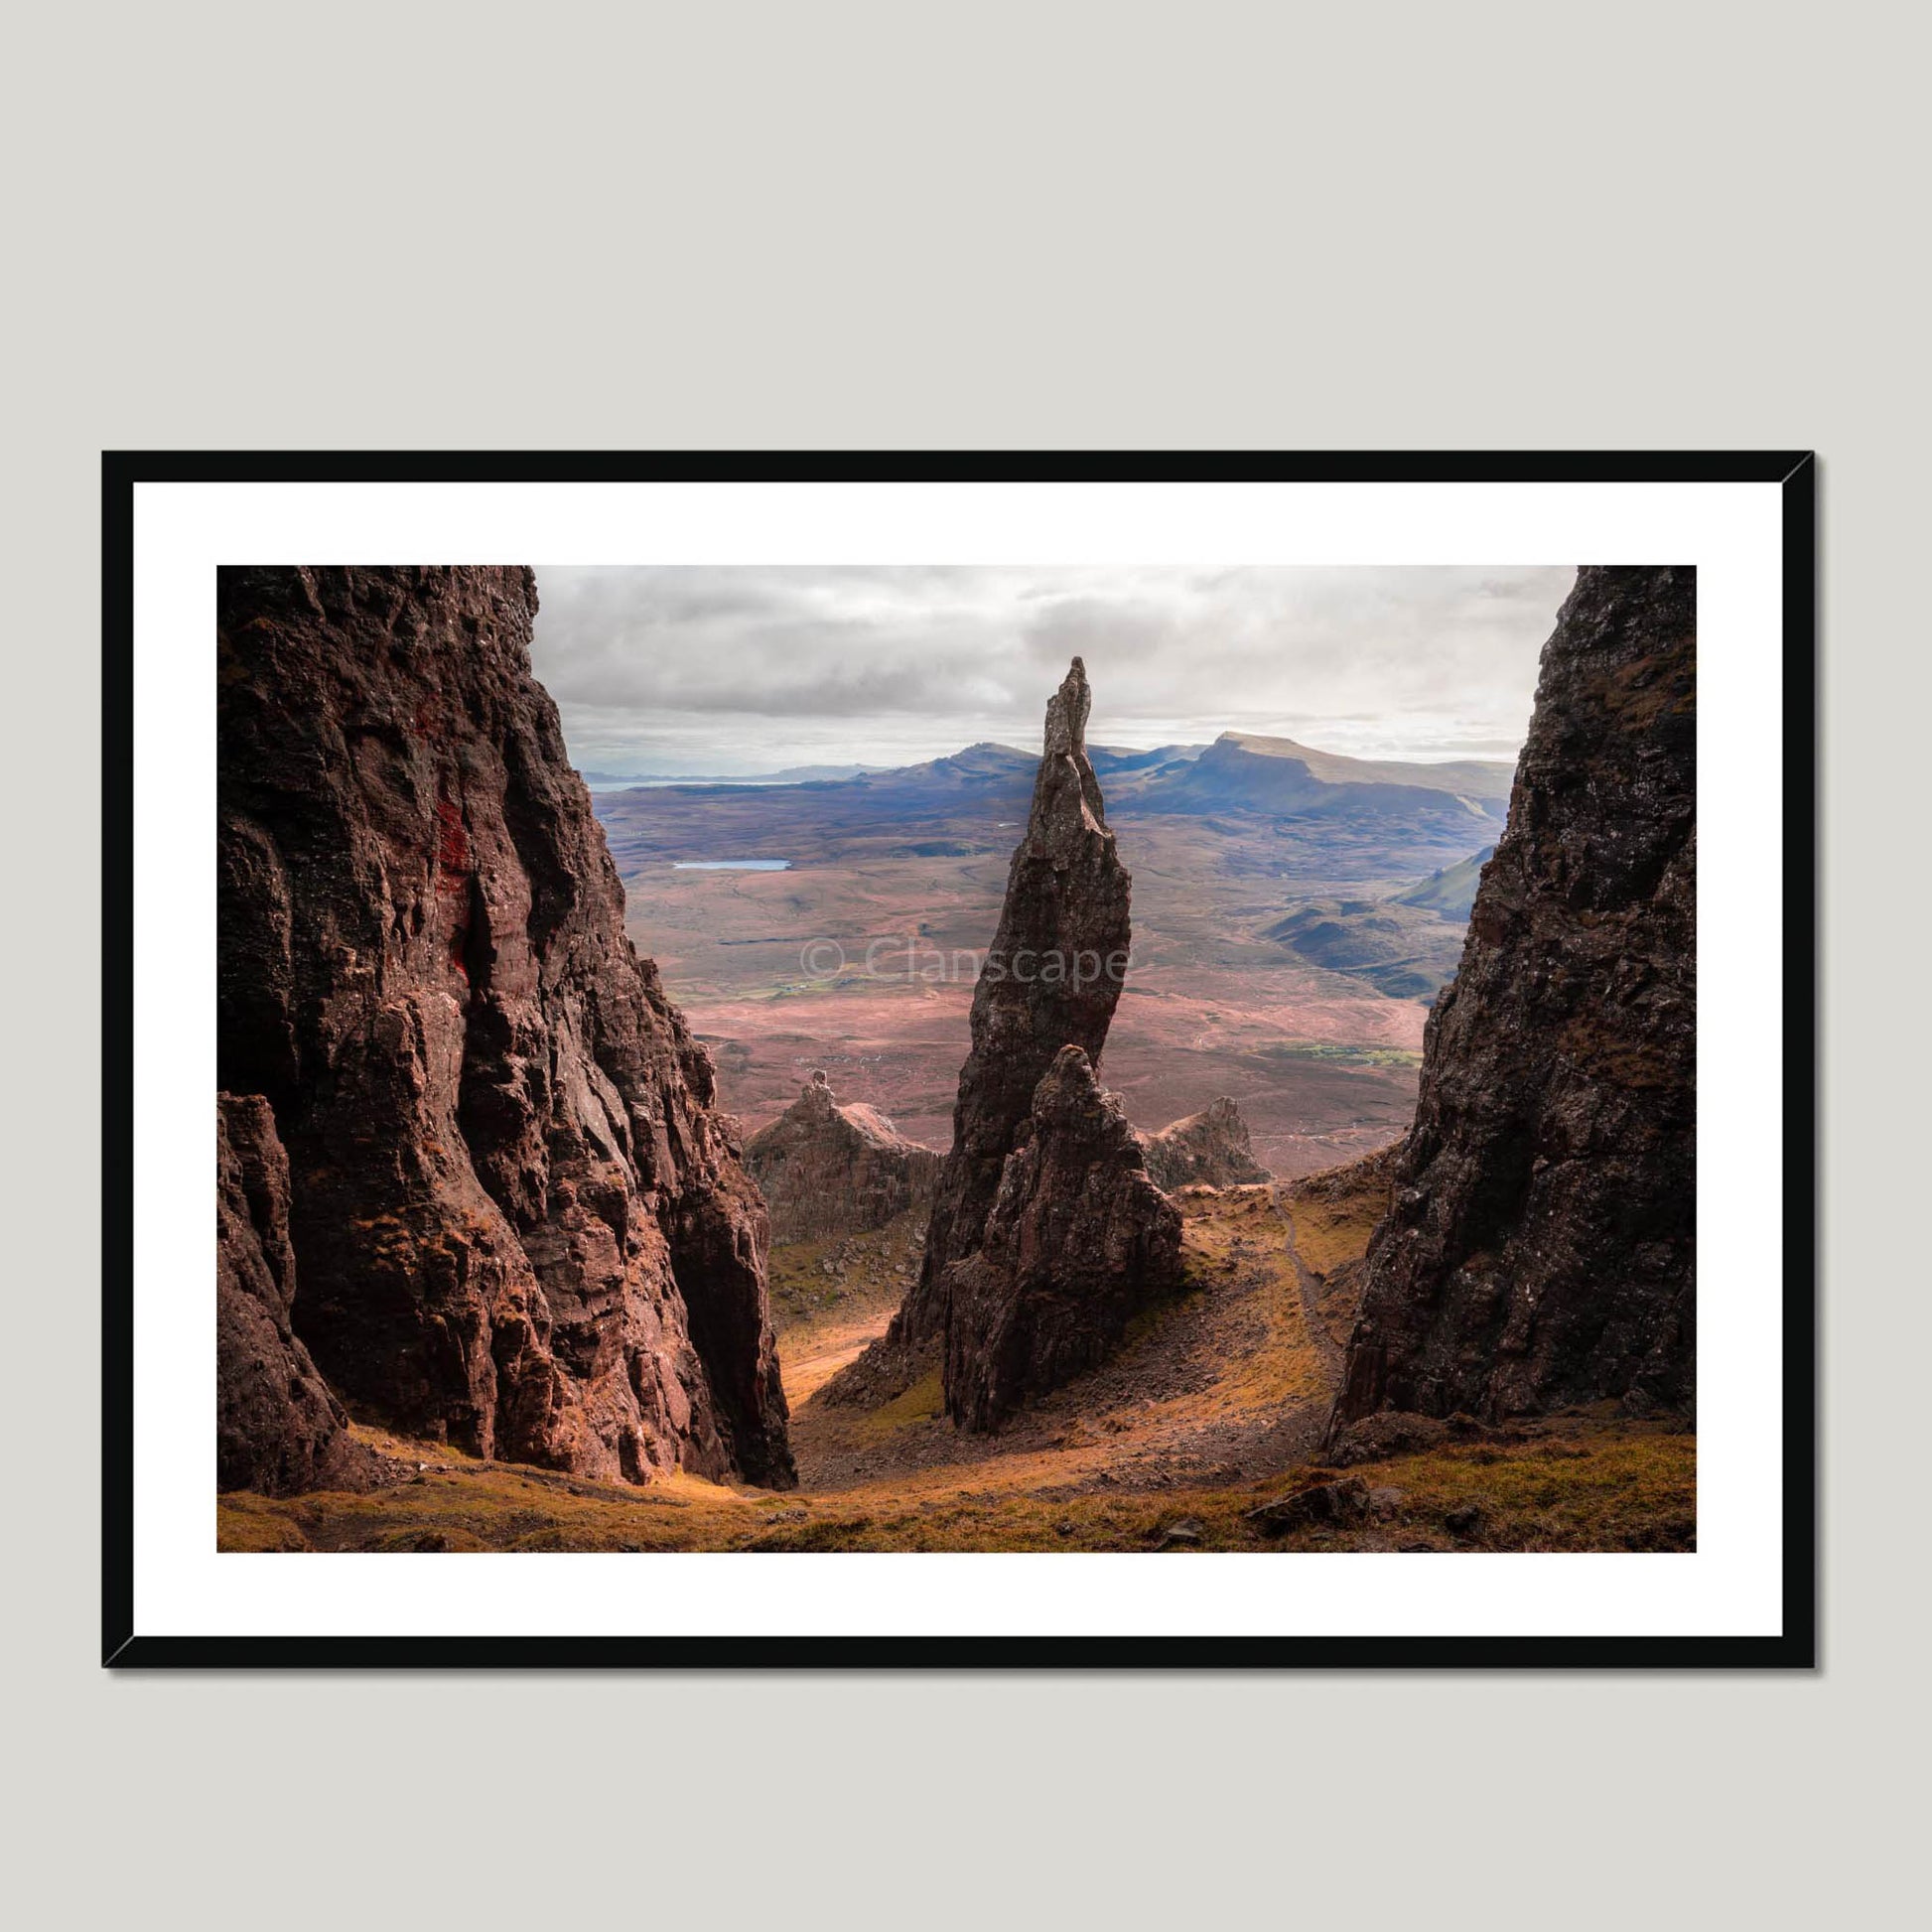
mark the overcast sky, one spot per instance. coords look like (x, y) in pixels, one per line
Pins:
(748, 670)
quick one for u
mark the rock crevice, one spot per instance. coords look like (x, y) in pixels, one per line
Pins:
(279, 1428)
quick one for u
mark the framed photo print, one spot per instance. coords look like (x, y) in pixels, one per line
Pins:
(1100, 1053)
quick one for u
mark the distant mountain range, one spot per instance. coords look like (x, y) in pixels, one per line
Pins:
(1242, 806)
(1361, 867)
(1110, 759)
(982, 759)
(1239, 771)
(791, 775)
(1269, 889)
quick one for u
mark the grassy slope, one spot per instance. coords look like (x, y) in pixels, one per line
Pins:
(1209, 1410)
(830, 1298)
(1581, 1487)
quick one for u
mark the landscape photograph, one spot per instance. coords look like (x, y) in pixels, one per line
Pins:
(1170, 1060)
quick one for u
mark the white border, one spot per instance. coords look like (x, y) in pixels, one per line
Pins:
(1731, 532)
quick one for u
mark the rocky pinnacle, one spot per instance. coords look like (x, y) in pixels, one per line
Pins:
(1046, 1233)
(1211, 1147)
(1078, 1241)
(1051, 979)
(827, 1169)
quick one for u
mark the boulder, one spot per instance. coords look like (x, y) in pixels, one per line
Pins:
(1340, 1503)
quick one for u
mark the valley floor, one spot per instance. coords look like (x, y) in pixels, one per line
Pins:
(1213, 1411)
(861, 961)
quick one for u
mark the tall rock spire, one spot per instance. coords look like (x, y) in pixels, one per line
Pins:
(1046, 1233)
(827, 1171)
(1051, 979)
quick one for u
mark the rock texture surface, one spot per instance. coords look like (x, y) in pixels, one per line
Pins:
(1210, 1147)
(1078, 1241)
(1051, 979)
(520, 1221)
(278, 1426)
(1046, 1233)
(827, 1169)
(1539, 1252)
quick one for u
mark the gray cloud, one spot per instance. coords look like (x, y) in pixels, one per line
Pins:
(748, 668)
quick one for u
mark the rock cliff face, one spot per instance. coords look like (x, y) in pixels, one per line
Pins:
(278, 1428)
(1539, 1252)
(1078, 1241)
(1211, 1146)
(1052, 979)
(519, 1220)
(826, 1170)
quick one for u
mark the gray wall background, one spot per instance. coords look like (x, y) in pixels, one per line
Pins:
(1484, 225)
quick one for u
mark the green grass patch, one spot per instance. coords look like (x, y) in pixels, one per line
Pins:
(924, 1400)
(1341, 1052)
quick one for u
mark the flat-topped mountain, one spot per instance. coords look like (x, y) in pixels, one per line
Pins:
(826, 1168)
(1480, 778)
(1241, 771)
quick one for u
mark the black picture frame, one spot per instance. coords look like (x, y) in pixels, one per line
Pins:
(124, 1646)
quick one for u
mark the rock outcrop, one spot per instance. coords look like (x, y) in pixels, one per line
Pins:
(1540, 1249)
(1051, 979)
(1078, 1241)
(1045, 1231)
(1210, 1147)
(520, 1222)
(278, 1426)
(827, 1169)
